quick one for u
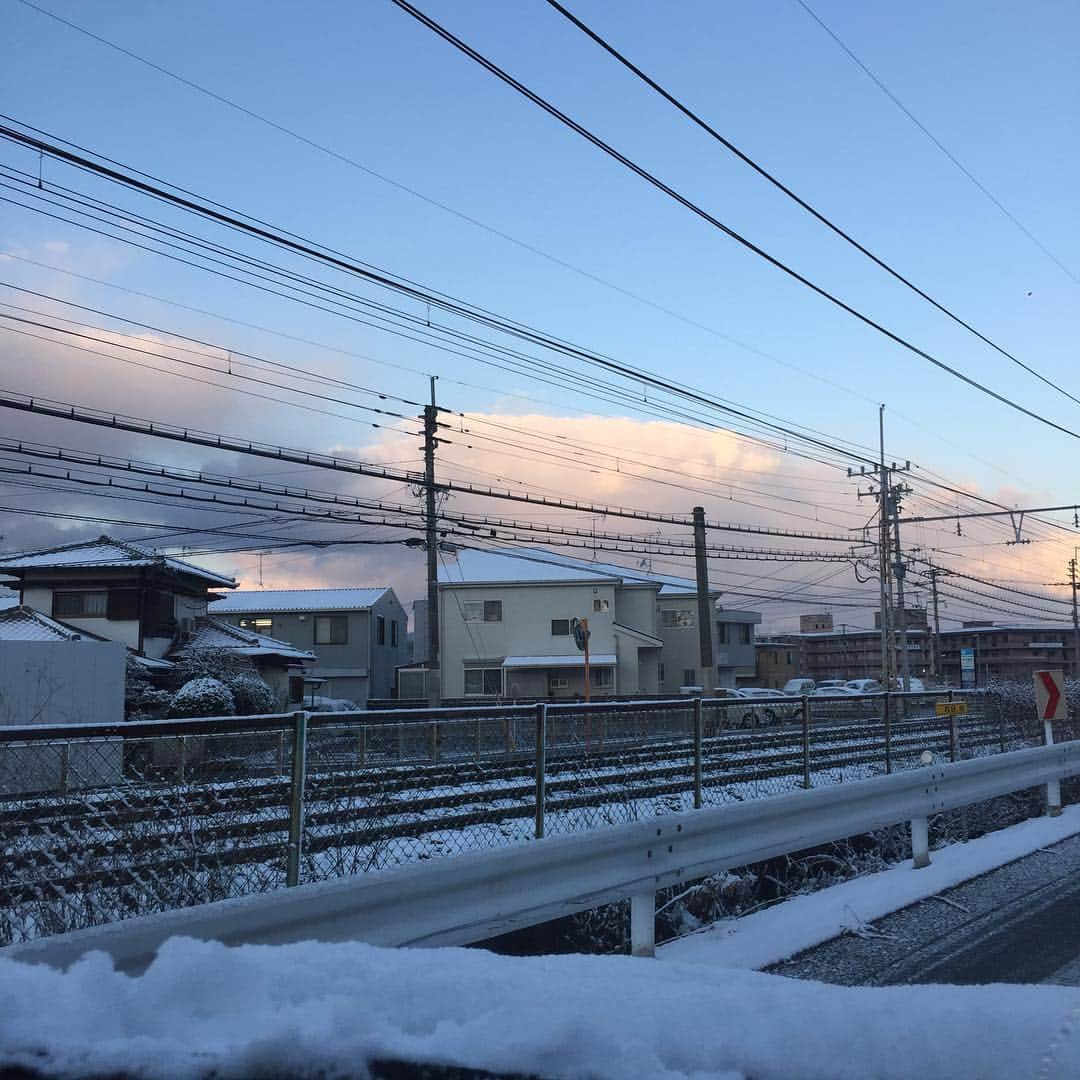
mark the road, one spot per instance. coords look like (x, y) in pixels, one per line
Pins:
(1018, 924)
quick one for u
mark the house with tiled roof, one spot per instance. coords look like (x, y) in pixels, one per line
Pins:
(358, 635)
(156, 605)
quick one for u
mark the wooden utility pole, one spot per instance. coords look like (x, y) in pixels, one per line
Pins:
(1075, 617)
(935, 644)
(704, 604)
(431, 425)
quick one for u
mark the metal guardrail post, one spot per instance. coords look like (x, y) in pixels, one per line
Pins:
(888, 731)
(1053, 787)
(541, 765)
(920, 843)
(296, 798)
(643, 924)
(361, 747)
(699, 731)
(806, 740)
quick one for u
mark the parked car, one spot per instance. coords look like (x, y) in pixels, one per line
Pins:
(865, 686)
(826, 684)
(754, 715)
(797, 687)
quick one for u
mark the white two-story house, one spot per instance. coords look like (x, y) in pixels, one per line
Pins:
(505, 624)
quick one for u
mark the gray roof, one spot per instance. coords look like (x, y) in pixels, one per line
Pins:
(211, 633)
(21, 623)
(251, 601)
(106, 553)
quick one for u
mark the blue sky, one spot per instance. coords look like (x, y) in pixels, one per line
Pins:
(997, 83)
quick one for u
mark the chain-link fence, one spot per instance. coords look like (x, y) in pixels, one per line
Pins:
(99, 824)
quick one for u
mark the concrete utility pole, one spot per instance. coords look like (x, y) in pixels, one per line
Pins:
(935, 645)
(1075, 618)
(884, 544)
(704, 603)
(900, 570)
(431, 425)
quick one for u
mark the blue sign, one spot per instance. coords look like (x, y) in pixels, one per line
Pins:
(967, 667)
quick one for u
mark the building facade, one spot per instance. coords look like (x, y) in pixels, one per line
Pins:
(357, 635)
(506, 630)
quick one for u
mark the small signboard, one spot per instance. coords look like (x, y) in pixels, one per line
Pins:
(1050, 700)
(951, 708)
(967, 667)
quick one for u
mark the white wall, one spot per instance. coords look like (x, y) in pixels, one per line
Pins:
(62, 682)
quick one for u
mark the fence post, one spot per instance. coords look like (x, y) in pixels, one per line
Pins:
(954, 731)
(888, 731)
(1001, 721)
(362, 746)
(434, 742)
(806, 741)
(181, 758)
(920, 843)
(699, 731)
(643, 924)
(296, 798)
(1053, 787)
(64, 763)
(541, 765)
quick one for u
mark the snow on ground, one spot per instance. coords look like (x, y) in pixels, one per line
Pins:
(766, 937)
(312, 1008)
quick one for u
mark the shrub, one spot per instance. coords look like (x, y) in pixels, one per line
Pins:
(217, 664)
(203, 697)
(251, 695)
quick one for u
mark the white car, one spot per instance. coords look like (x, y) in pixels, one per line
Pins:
(797, 687)
(865, 686)
(760, 714)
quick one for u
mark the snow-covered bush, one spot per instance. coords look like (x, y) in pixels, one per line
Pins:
(220, 664)
(251, 694)
(203, 697)
(143, 700)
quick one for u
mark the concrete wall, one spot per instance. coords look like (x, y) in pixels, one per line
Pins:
(63, 682)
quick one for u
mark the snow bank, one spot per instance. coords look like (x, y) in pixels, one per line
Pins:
(311, 1008)
(772, 935)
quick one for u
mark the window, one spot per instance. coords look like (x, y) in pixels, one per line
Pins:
(331, 629)
(380, 630)
(721, 633)
(789, 657)
(600, 604)
(678, 618)
(659, 674)
(601, 677)
(689, 676)
(394, 633)
(560, 627)
(483, 682)
(85, 605)
(482, 610)
(557, 682)
(264, 624)
(746, 633)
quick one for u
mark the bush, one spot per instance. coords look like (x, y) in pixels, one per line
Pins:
(251, 695)
(142, 700)
(203, 697)
(217, 664)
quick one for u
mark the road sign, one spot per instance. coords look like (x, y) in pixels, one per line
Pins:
(579, 628)
(967, 667)
(1050, 695)
(951, 708)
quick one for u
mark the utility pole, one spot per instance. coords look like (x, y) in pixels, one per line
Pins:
(935, 645)
(884, 544)
(900, 570)
(431, 425)
(704, 603)
(1075, 618)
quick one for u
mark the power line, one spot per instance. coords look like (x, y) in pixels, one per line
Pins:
(712, 220)
(696, 119)
(937, 142)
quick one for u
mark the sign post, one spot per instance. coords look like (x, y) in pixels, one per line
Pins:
(580, 630)
(1050, 705)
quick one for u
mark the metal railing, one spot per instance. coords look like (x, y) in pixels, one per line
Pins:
(460, 901)
(101, 823)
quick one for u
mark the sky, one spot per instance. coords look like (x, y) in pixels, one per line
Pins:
(996, 84)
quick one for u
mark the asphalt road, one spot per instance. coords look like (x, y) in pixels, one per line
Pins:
(1017, 924)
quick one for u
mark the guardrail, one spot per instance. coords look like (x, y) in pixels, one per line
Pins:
(475, 897)
(99, 823)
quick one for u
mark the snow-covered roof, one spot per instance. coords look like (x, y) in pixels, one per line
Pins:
(21, 623)
(351, 598)
(210, 633)
(571, 660)
(8, 600)
(106, 553)
(531, 566)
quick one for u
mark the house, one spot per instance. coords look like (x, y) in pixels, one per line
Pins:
(357, 635)
(156, 605)
(506, 618)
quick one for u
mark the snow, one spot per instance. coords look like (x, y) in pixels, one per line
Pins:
(106, 552)
(24, 624)
(772, 935)
(326, 1009)
(572, 660)
(211, 633)
(352, 598)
